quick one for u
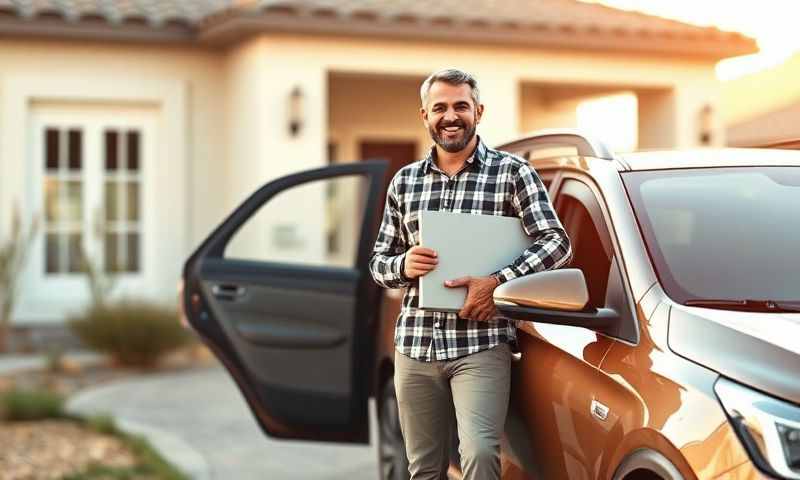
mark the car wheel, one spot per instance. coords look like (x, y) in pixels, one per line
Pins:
(392, 459)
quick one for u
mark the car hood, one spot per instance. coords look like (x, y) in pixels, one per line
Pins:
(761, 350)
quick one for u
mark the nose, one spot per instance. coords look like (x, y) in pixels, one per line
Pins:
(450, 115)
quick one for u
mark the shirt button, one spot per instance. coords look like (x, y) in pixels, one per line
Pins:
(436, 324)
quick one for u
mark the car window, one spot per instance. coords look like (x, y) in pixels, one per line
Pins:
(721, 233)
(315, 223)
(589, 240)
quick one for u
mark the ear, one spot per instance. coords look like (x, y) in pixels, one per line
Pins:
(423, 113)
(478, 114)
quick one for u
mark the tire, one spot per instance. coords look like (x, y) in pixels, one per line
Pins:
(392, 460)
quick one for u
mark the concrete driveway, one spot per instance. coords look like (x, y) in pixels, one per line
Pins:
(200, 422)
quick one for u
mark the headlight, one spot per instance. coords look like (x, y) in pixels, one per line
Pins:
(769, 428)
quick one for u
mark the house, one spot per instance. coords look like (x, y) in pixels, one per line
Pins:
(131, 129)
(763, 108)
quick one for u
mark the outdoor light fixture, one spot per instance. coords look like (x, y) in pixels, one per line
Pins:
(706, 124)
(295, 111)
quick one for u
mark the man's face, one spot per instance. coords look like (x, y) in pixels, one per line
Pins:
(451, 116)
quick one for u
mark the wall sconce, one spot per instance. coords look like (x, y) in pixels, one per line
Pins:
(295, 111)
(706, 124)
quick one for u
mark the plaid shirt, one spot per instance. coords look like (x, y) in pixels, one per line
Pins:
(490, 183)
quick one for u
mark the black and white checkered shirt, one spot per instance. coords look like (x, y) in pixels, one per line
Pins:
(490, 183)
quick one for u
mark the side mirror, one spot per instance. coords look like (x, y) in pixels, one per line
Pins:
(552, 290)
(556, 296)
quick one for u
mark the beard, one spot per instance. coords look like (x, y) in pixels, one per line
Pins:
(456, 144)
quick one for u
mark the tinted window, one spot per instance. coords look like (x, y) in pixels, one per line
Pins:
(316, 223)
(722, 233)
(588, 253)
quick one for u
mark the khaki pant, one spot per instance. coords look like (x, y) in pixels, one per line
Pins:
(476, 389)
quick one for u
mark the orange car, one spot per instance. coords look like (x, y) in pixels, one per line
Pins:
(668, 349)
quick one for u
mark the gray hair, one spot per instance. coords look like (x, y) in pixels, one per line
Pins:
(453, 77)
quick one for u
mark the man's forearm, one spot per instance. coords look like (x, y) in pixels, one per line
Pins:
(551, 250)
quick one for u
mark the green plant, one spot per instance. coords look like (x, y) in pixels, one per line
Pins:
(26, 405)
(101, 282)
(13, 254)
(149, 464)
(134, 333)
(103, 424)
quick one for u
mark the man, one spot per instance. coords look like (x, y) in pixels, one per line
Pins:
(447, 361)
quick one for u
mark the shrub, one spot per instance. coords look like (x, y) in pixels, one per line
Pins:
(22, 405)
(134, 333)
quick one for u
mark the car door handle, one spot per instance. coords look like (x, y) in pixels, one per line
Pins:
(228, 292)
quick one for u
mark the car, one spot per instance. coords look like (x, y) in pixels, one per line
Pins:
(668, 349)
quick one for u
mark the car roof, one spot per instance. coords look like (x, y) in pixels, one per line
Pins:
(705, 158)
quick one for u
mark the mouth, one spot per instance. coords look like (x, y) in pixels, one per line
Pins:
(451, 131)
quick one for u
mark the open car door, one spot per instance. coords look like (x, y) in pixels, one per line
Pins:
(294, 331)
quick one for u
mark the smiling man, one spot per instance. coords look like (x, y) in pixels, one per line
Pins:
(449, 364)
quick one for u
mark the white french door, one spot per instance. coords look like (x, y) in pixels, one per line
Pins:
(88, 181)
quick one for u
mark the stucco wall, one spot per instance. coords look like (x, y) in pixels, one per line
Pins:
(374, 108)
(182, 87)
(223, 113)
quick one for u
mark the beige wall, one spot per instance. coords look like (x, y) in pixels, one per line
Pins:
(106, 65)
(223, 114)
(539, 111)
(181, 87)
(357, 89)
(374, 108)
(260, 78)
(760, 93)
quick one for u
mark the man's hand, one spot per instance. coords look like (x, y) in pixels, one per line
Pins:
(419, 261)
(479, 304)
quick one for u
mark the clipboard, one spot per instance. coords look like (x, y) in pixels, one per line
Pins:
(466, 244)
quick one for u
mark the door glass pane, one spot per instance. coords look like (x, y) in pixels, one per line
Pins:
(51, 142)
(73, 203)
(75, 260)
(316, 223)
(51, 199)
(111, 205)
(133, 201)
(75, 149)
(133, 252)
(51, 253)
(588, 254)
(111, 260)
(111, 150)
(67, 207)
(133, 150)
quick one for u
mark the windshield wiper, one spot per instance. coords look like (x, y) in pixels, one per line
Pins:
(768, 306)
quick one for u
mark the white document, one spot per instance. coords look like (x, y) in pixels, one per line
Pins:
(467, 244)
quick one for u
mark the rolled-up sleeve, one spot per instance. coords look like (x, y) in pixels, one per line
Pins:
(550, 247)
(388, 254)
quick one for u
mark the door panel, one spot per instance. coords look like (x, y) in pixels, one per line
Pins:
(558, 378)
(297, 338)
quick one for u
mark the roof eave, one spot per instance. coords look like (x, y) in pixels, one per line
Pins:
(96, 29)
(234, 26)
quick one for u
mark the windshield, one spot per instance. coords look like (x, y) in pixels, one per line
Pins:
(721, 233)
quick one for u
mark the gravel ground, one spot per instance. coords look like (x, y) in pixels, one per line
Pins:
(50, 449)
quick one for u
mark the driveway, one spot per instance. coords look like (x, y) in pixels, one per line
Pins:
(201, 423)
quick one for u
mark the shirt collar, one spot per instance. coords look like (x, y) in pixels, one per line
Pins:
(479, 154)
